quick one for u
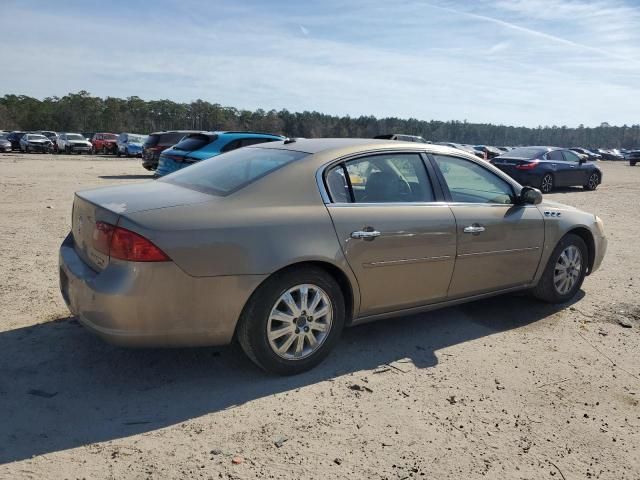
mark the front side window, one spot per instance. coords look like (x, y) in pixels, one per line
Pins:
(469, 182)
(228, 172)
(387, 178)
(571, 157)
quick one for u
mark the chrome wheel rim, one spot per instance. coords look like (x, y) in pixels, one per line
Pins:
(567, 270)
(547, 183)
(299, 322)
(593, 181)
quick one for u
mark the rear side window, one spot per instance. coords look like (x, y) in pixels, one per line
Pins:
(391, 178)
(229, 172)
(555, 155)
(194, 142)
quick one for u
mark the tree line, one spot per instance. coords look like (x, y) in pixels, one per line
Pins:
(82, 112)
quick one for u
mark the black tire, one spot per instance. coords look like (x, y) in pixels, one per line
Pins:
(118, 152)
(26, 149)
(252, 326)
(592, 182)
(546, 290)
(632, 163)
(126, 152)
(547, 183)
(67, 150)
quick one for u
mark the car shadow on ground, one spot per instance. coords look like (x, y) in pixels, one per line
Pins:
(61, 387)
(127, 177)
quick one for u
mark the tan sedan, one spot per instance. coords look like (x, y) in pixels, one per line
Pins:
(278, 246)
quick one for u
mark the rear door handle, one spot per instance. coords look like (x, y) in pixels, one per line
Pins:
(475, 229)
(365, 234)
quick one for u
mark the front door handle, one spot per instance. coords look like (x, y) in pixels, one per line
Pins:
(365, 234)
(475, 229)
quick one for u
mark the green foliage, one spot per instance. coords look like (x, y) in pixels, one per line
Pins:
(81, 112)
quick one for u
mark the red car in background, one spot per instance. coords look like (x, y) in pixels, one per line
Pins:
(104, 143)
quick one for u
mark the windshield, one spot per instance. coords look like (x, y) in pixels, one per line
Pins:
(226, 173)
(36, 137)
(75, 136)
(110, 136)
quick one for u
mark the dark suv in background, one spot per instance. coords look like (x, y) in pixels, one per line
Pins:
(159, 141)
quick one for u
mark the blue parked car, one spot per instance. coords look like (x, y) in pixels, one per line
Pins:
(201, 146)
(130, 144)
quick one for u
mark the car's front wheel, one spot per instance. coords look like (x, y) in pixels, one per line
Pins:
(546, 184)
(292, 322)
(565, 271)
(592, 182)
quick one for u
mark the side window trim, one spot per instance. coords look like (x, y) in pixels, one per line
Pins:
(431, 173)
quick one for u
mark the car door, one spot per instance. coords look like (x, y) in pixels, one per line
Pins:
(577, 173)
(499, 241)
(560, 168)
(398, 239)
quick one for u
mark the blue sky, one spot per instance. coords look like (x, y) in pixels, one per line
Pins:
(514, 62)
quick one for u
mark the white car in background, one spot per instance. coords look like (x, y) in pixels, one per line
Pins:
(73, 143)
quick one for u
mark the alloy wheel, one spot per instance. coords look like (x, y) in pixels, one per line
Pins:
(547, 183)
(593, 181)
(299, 322)
(567, 269)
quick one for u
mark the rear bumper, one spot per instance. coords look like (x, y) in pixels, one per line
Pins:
(167, 166)
(152, 304)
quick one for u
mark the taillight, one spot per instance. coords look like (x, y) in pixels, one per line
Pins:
(118, 242)
(528, 166)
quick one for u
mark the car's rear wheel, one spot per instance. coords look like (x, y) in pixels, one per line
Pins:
(292, 322)
(632, 163)
(592, 182)
(546, 184)
(565, 271)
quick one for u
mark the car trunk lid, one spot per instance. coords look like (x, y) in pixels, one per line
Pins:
(109, 204)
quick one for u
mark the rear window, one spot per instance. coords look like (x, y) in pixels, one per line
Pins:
(152, 140)
(229, 172)
(170, 138)
(524, 152)
(195, 142)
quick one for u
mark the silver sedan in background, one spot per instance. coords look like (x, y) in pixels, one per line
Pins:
(282, 245)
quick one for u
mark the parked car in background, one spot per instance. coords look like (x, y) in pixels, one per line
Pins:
(487, 151)
(104, 143)
(588, 154)
(633, 156)
(201, 146)
(549, 167)
(14, 137)
(401, 138)
(293, 253)
(130, 144)
(73, 143)
(35, 142)
(5, 144)
(157, 142)
(463, 147)
(610, 154)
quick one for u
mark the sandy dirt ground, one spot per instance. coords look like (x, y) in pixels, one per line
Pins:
(502, 388)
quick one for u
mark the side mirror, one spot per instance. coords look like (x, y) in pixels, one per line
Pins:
(530, 196)
(583, 160)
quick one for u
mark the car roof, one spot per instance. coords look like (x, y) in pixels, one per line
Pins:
(336, 147)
